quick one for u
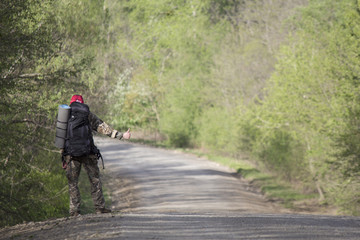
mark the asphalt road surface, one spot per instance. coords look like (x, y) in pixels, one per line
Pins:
(161, 194)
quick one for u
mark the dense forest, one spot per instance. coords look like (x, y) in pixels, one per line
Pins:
(274, 79)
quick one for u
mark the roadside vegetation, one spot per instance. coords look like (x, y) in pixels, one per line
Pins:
(274, 188)
(275, 80)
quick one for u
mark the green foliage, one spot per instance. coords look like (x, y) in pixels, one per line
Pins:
(229, 76)
(311, 103)
(41, 60)
(232, 76)
(134, 104)
(38, 174)
(182, 108)
(274, 145)
(218, 130)
(165, 39)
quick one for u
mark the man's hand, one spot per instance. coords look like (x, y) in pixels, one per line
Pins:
(127, 134)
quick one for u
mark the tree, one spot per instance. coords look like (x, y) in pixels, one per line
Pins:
(311, 100)
(40, 62)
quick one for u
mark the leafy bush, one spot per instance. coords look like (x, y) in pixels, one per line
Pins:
(217, 130)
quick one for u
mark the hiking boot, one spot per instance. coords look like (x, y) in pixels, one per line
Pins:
(75, 214)
(102, 210)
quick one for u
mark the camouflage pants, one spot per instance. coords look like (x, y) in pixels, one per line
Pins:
(72, 173)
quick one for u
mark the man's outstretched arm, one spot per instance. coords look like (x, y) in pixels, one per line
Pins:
(102, 127)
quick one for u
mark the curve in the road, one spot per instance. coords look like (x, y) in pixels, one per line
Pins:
(166, 181)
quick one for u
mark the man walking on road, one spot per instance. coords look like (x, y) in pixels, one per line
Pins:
(80, 150)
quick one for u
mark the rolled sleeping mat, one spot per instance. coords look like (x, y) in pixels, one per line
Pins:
(61, 125)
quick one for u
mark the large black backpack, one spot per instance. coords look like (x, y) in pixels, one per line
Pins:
(79, 140)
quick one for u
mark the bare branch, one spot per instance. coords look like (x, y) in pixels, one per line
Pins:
(30, 75)
(25, 120)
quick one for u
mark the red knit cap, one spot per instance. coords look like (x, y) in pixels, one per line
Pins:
(77, 98)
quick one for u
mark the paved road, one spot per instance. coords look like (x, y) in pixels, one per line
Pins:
(159, 194)
(192, 226)
(163, 181)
